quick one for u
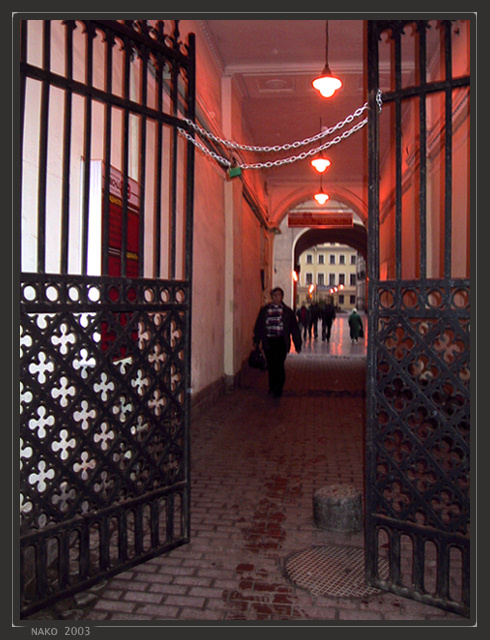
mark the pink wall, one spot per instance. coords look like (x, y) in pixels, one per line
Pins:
(210, 301)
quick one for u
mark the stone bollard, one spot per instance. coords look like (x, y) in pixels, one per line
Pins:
(338, 507)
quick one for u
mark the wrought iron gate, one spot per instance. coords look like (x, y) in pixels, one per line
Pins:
(418, 449)
(106, 203)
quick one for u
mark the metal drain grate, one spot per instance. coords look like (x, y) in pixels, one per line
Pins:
(331, 570)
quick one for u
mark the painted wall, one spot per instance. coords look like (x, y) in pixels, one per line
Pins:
(228, 237)
(208, 291)
(248, 284)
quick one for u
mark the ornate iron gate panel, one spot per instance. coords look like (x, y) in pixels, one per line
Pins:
(105, 297)
(418, 431)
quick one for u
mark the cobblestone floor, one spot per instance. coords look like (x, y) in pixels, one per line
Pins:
(256, 462)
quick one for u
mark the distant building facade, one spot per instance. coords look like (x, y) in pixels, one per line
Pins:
(328, 273)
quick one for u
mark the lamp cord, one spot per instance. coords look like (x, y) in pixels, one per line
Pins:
(326, 43)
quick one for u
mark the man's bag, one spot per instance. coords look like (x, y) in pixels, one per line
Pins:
(256, 359)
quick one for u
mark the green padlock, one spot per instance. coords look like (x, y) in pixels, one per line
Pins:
(233, 172)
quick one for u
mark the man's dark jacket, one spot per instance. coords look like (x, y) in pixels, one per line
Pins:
(291, 328)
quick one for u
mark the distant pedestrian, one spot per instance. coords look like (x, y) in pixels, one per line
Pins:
(276, 324)
(328, 316)
(355, 325)
(315, 315)
(304, 320)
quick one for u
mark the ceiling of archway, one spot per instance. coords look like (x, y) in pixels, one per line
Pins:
(355, 237)
(332, 205)
(273, 63)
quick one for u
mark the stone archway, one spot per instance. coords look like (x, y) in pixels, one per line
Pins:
(355, 237)
(290, 243)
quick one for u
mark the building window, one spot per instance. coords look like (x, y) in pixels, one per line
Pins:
(309, 258)
(353, 259)
(353, 279)
(332, 259)
(321, 259)
(341, 278)
(331, 279)
(341, 299)
(341, 259)
(321, 279)
(353, 299)
(309, 278)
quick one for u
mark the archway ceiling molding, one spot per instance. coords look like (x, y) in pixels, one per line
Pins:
(356, 237)
(272, 63)
(305, 193)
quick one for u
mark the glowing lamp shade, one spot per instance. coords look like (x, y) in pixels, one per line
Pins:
(326, 84)
(320, 164)
(321, 197)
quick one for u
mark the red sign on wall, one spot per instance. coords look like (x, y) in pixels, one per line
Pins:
(320, 220)
(115, 225)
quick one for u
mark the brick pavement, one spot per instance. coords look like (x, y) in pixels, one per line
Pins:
(256, 462)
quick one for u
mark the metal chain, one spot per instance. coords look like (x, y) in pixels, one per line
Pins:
(230, 144)
(277, 163)
(305, 154)
(199, 145)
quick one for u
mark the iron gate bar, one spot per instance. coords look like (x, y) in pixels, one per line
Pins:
(142, 159)
(423, 150)
(89, 67)
(188, 269)
(65, 198)
(22, 108)
(43, 158)
(174, 97)
(433, 86)
(110, 41)
(125, 160)
(173, 204)
(159, 164)
(398, 153)
(99, 95)
(448, 160)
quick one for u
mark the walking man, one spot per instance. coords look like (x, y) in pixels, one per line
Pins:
(275, 325)
(304, 320)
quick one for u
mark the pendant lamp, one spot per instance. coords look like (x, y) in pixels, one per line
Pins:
(327, 84)
(321, 197)
(321, 164)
